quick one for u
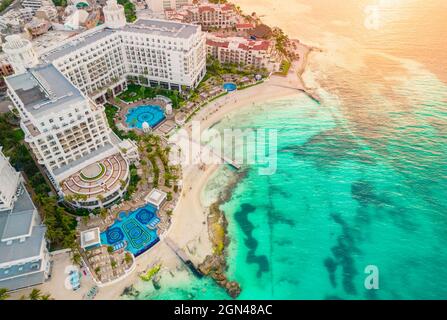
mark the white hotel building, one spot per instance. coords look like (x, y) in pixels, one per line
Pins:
(162, 5)
(24, 257)
(69, 136)
(150, 52)
(63, 125)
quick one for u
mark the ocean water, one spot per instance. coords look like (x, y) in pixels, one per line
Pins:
(361, 179)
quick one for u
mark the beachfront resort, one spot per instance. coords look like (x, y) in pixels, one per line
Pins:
(96, 111)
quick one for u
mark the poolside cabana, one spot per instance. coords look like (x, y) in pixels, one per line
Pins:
(156, 198)
(90, 239)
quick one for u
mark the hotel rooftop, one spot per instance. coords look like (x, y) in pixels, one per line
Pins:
(43, 89)
(160, 28)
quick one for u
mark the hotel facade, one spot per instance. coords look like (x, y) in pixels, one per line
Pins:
(149, 52)
(69, 136)
(208, 15)
(260, 54)
(59, 99)
(162, 5)
(24, 257)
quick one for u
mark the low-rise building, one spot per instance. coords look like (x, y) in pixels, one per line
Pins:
(47, 12)
(24, 257)
(14, 20)
(260, 54)
(162, 5)
(37, 27)
(208, 15)
(5, 70)
(32, 4)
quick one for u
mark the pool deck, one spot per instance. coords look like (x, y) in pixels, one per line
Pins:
(128, 223)
(125, 107)
(153, 115)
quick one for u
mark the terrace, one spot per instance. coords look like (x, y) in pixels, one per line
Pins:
(98, 180)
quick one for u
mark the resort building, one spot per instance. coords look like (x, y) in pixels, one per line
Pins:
(5, 70)
(32, 4)
(149, 52)
(14, 20)
(24, 257)
(69, 136)
(259, 54)
(47, 12)
(64, 127)
(162, 5)
(82, 19)
(207, 15)
(37, 27)
(20, 53)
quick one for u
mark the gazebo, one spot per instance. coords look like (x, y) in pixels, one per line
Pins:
(156, 198)
(90, 239)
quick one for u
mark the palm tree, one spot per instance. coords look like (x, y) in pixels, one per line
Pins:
(128, 258)
(85, 219)
(100, 198)
(46, 297)
(75, 256)
(4, 294)
(103, 213)
(35, 294)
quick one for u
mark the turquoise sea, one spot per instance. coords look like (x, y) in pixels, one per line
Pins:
(361, 178)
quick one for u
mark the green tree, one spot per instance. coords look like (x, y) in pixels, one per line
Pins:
(76, 258)
(103, 213)
(46, 297)
(4, 294)
(128, 258)
(35, 294)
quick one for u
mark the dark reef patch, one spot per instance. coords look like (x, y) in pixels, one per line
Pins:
(365, 194)
(331, 147)
(247, 227)
(331, 267)
(342, 256)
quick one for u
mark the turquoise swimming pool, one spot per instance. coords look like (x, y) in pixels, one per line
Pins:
(152, 114)
(229, 86)
(136, 231)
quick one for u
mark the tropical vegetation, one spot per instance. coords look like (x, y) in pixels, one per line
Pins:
(60, 225)
(5, 4)
(137, 92)
(151, 273)
(111, 112)
(4, 294)
(129, 10)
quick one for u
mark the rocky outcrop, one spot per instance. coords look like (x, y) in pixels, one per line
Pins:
(130, 291)
(215, 265)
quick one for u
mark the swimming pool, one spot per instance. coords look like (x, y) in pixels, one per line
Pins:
(151, 114)
(229, 86)
(133, 229)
